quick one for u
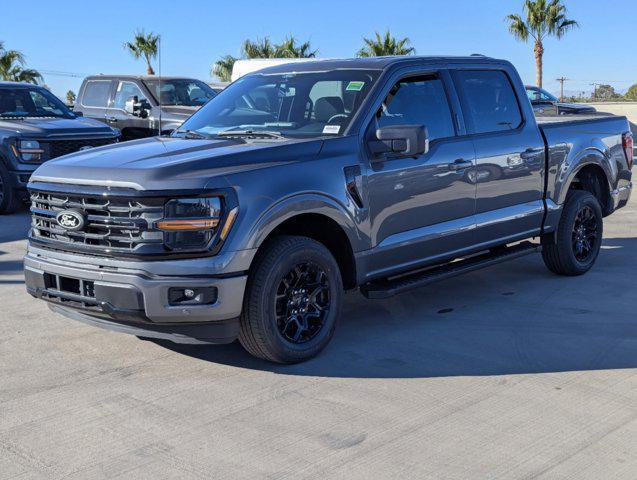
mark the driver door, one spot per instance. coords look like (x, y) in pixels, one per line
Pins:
(421, 209)
(131, 126)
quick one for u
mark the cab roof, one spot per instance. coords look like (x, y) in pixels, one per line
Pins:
(374, 63)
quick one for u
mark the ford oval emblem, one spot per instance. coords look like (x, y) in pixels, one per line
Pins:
(70, 220)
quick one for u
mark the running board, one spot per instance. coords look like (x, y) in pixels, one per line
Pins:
(388, 288)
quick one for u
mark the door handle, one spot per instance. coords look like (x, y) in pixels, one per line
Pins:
(460, 164)
(111, 119)
(530, 153)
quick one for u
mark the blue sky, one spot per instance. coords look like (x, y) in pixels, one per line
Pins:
(85, 38)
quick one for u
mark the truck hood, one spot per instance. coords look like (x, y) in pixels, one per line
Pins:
(50, 127)
(172, 163)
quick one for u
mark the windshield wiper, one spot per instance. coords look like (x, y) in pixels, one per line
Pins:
(192, 134)
(251, 133)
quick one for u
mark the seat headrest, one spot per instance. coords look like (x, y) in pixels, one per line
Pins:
(326, 107)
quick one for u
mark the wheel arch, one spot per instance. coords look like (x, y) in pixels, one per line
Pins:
(592, 172)
(318, 217)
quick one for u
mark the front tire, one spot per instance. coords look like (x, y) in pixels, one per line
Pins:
(292, 302)
(579, 236)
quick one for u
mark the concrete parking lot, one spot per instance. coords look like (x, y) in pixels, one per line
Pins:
(506, 373)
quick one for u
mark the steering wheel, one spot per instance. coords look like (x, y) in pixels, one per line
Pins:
(338, 115)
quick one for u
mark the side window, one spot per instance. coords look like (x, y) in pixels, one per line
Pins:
(96, 93)
(419, 101)
(488, 100)
(125, 90)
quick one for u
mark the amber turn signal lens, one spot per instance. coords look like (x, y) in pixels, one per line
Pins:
(232, 215)
(188, 224)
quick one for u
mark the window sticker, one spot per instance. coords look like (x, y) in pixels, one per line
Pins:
(331, 128)
(355, 86)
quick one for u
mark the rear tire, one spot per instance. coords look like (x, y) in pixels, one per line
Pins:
(579, 236)
(9, 201)
(292, 301)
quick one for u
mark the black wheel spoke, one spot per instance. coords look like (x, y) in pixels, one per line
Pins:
(585, 234)
(302, 302)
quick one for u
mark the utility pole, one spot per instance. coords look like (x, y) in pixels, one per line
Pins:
(562, 80)
(594, 85)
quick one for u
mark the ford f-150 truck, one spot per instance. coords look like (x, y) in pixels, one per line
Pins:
(134, 104)
(36, 126)
(301, 181)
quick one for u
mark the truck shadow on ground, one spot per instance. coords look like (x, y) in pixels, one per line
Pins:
(510, 319)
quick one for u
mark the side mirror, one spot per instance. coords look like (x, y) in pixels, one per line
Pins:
(404, 140)
(131, 106)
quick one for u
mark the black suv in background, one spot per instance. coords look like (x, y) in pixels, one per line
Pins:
(132, 103)
(36, 126)
(545, 104)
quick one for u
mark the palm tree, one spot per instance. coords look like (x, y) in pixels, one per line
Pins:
(289, 48)
(70, 97)
(385, 45)
(144, 45)
(12, 67)
(223, 68)
(543, 18)
(263, 48)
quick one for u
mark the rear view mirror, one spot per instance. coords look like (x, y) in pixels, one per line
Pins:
(404, 140)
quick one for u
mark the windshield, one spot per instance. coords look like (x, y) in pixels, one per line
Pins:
(539, 95)
(293, 104)
(31, 102)
(183, 92)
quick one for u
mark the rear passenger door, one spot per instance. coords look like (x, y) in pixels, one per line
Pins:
(95, 97)
(509, 156)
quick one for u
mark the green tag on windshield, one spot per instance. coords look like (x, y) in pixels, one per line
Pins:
(355, 86)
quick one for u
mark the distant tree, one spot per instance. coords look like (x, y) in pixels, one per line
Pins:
(144, 45)
(222, 68)
(289, 48)
(606, 92)
(12, 68)
(263, 48)
(543, 18)
(70, 97)
(385, 45)
(631, 94)
(260, 48)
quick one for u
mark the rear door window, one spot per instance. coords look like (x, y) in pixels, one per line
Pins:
(488, 100)
(96, 93)
(419, 101)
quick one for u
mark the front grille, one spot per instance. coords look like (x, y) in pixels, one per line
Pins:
(57, 148)
(111, 225)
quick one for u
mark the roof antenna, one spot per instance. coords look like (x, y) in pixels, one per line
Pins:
(159, 82)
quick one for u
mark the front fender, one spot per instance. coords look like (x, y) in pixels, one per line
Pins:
(305, 203)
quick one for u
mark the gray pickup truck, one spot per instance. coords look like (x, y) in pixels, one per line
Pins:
(133, 103)
(301, 181)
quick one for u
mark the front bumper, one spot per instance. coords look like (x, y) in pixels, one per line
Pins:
(133, 296)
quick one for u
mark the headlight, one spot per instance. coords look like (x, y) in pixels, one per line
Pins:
(29, 151)
(192, 224)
